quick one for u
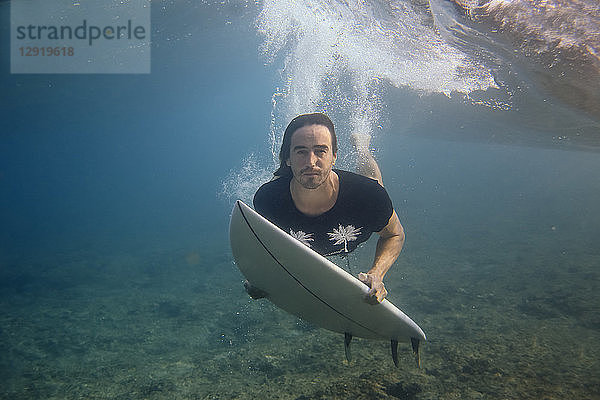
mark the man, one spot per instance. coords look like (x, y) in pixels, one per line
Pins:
(330, 210)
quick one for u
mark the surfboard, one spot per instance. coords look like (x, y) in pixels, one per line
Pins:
(302, 282)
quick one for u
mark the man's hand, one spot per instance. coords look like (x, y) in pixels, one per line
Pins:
(377, 292)
(254, 292)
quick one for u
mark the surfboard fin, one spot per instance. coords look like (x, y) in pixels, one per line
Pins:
(347, 340)
(395, 352)
(415, 346)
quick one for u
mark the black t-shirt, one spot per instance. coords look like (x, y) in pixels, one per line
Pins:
(362, 207)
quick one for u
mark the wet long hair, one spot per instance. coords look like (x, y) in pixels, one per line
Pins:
(299, 122)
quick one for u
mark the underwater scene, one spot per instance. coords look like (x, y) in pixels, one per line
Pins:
(117, 280)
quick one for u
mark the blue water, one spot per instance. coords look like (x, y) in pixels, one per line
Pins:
(116, 278)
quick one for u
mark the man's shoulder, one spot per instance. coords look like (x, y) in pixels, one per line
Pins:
(351, 178)
(277, 184)
(270, 193)
(366, 197)
(362, 189)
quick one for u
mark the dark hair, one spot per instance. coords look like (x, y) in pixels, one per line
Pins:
(299, 122)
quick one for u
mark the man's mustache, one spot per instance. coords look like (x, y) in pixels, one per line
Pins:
(309, 170)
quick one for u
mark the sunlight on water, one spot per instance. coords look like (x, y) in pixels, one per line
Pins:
(353, 48)
(368, 40)
(554, 24)
(553, 44)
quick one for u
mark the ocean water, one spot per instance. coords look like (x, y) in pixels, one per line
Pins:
(116, 277)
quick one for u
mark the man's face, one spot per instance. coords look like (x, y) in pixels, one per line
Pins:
(311, 155)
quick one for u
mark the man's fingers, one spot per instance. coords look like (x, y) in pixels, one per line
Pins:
(254, 292)
(363, 277)
(377, 291)
(381, 294)
(376, 294)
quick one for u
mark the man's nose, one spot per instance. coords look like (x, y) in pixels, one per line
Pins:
(312, 158)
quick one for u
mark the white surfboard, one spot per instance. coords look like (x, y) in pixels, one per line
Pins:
(308, 285)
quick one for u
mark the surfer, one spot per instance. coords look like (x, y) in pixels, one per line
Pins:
(331, 210)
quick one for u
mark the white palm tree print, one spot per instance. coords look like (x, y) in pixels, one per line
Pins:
(302, 237)
(344, 234)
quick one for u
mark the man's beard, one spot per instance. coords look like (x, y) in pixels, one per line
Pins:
(312, 181)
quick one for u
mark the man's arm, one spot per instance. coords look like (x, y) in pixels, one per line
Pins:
(389, 245)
